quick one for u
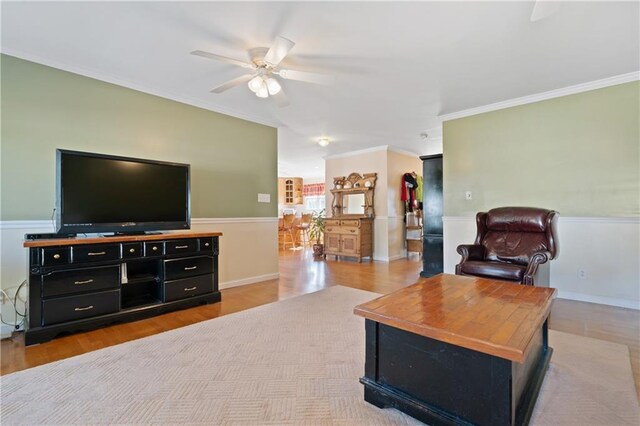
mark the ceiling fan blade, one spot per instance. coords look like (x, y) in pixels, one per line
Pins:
(278, 51)
(543, 9)
(233, 83)
(222, 58)
(281, 99)
(309, 77)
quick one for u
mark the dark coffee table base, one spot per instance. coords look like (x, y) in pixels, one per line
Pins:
(444, 384)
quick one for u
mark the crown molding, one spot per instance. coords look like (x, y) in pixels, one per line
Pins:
(97, 75)
(556, 93)
(369, 150)
(402, 151)
(358, 152)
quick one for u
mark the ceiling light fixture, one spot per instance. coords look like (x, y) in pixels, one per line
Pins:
(323, 141)
(264, 86)
(263, 91)
(273, 86)
(255, 83)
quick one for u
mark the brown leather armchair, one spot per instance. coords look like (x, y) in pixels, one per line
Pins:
(511, 244)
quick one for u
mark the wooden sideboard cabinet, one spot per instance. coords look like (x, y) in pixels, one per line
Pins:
(351, 237)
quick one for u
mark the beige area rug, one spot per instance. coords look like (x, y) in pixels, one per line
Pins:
(293, 362)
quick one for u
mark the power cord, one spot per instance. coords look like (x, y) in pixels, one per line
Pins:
(13, 301)
(53, 222)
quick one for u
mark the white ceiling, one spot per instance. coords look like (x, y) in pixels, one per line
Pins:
(397, 65)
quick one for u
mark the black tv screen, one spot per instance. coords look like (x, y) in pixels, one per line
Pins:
(103, 193)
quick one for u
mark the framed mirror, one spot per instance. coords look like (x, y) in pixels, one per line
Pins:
(353, 204)
(353, 195)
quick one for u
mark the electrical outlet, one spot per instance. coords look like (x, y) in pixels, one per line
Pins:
(264, 198)
(582, 274)
(467, 196)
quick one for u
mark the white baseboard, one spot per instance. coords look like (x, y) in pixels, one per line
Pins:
(250, 280)
(390, 258)
(622, 303)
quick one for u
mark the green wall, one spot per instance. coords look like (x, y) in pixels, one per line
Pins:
(578, 154)
(43, 108)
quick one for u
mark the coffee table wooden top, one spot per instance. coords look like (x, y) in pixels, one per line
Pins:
(494, 317)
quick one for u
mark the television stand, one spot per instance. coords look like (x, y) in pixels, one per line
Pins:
(78, 284)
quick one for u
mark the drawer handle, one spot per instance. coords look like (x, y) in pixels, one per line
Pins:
(181, 247)
(56, 256)
(86, 308)
(132, 250)
(190, 288)
(190, 268)
(83, 282)
(206, 244)
(353, 230)
(154, 248)
(100, 253)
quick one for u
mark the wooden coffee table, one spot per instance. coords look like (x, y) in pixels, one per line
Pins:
(458, 350)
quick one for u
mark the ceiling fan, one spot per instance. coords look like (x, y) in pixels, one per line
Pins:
(544, 8)
(265, 70)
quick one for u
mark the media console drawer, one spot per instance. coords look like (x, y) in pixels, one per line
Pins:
(63, 309)
(187, 287)
(70, 281)
(187, 267)
(181, 246)
(96, 253)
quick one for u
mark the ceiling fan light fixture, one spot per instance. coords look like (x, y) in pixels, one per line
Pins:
(255, 83)
(323, 142)
(263, 91)
(273, 86)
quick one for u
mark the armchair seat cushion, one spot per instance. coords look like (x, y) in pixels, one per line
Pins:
(490, 269)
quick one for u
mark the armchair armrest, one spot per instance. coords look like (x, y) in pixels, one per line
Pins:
(470, 252)
(537, 259)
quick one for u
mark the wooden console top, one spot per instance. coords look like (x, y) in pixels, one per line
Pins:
(118, 239)
(494, 317)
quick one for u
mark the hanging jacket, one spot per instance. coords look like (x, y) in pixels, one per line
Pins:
(419, 189)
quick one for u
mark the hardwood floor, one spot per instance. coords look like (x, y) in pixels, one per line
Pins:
(299, 274)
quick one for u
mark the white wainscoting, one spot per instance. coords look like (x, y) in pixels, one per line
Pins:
(248, 253)
(606, 248)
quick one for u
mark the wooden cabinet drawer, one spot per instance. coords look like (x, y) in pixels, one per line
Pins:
(332, 222)
(153, 248)
(206, 244)
(333, 229)
(350, 230)
(131, 250)
(72, 281)
(187, 267)
(96, 253)
(181, 246)
(350, 222)
(188, 287)
(63, 309)
(55, 256)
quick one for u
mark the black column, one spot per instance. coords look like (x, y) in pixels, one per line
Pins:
(432, 215)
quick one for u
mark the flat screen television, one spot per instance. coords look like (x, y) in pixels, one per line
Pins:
(98, 193)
